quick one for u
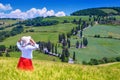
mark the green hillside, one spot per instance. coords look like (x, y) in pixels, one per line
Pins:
(97, 47)
(100, 11)
(48, 70)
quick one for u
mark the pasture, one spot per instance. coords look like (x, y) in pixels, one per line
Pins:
(98, 47)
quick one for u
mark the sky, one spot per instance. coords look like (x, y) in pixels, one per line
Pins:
(33, 8)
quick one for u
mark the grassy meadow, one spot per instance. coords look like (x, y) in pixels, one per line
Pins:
(49, 70)
(98, 47)
(44, 33)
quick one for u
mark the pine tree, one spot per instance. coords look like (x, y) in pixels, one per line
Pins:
(63, 56)
(67, 54)
(56, 49)
(85, 41)
(64, 43)
(68, 41)
(60, 38)
(80, 34)
(49, 46)
(68, 35)
(52, 48)
(74, 57)
(77, 44)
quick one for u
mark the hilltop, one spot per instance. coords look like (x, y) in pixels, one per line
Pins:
(101, 11)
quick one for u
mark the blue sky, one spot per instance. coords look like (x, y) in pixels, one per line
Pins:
(52, 7)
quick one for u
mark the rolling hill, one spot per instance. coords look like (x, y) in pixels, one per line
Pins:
(97, 47)
(102, 11)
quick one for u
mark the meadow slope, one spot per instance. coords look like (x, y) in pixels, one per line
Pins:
(48, 70)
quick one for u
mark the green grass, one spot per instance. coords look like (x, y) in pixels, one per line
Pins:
(109, 11)
(8, 22)
(117, 17)
(59, 28)
(68, 18)
(49, 70)
(103, 31)
(36, 55)
(37, 36)
(45, 33)
(97, 49)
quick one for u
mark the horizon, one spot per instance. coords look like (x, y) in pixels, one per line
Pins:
(43, 8)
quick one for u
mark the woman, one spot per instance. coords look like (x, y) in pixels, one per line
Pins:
(26, 45)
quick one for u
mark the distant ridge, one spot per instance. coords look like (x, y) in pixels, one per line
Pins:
(101, 11)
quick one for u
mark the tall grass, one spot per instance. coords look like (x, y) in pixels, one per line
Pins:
(47, 70)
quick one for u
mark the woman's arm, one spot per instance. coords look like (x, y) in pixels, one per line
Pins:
(32, 42)
(33, 45)
(19, 44)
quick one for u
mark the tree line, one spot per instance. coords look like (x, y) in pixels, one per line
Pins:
(104, 60)
(16, 30)
(38, 21)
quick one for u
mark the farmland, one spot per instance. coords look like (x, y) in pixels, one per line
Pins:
(97, 47)
(49, 70)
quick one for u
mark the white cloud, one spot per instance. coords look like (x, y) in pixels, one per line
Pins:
(60, 14)
(5, 7)
(33, 12)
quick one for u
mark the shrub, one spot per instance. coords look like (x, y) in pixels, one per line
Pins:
(84, 63)
(117, 58)
(7, 54)
(1, 54)
(110, 36)
(93, 62)
(97, 36)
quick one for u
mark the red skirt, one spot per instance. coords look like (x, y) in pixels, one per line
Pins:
(25, 64)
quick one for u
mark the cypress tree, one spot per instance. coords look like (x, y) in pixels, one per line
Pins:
(77, 44)
(63, 56)
(81, 34)
(74, 57)
(85, 41)
(56, 49)
(49, 46)
(68, 41)
(52, 48)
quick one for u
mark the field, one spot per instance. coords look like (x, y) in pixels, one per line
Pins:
(109, 10)
(49, 70)
(97, 47)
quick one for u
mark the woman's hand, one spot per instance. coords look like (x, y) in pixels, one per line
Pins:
(19, 40)
(32, 42)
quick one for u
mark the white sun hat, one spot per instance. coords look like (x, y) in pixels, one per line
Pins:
(25, 40)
